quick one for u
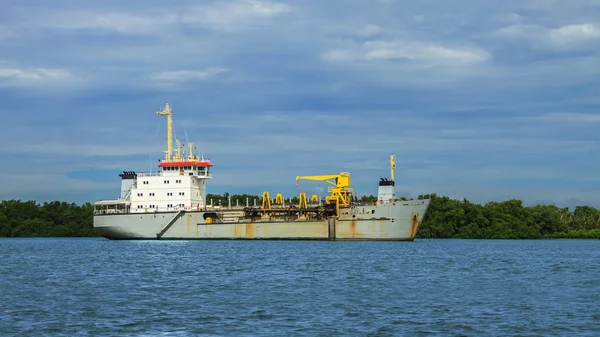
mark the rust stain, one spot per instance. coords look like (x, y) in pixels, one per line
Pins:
(414, 225)
(353, 229)
(237, 230)
(250, 230)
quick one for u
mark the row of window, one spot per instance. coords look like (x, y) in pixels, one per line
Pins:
(169, 194)
(171, 205)
(146, 182)
(155, 206)
(149, 206)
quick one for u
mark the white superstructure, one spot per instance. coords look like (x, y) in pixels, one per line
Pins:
(179, 184)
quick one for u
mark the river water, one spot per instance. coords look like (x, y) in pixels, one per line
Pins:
(97, 287)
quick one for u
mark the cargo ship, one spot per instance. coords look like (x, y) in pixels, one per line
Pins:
(171, 203)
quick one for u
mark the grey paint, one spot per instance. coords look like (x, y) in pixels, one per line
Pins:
(391, 221)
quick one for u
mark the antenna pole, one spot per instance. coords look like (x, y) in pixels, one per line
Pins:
(169, 113)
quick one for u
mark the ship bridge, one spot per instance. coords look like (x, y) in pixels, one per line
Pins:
(179, 183)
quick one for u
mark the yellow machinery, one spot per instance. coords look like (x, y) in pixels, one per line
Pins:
(341, 192)
(279, 199)
(303, 202)
(314, 198)
(266, 200)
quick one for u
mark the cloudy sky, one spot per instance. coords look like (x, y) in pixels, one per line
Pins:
(484, 100)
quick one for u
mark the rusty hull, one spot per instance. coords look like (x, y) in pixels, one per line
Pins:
(397, 221)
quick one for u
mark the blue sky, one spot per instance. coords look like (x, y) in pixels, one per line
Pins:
(486, 100)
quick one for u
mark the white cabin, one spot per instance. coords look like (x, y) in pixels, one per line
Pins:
(179, 184)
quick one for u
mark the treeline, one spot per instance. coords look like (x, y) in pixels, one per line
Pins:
(50, 219)
(449, 218)
(446, 218)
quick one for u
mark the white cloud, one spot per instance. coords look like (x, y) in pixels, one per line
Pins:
(233, 16)
(520, 31)
(230, 16)
(434, 54)
(21, 76)
(574, 33)
(124, 23)
(558, 37)
(186, 75)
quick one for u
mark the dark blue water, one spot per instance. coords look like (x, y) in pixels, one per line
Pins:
(96, 287)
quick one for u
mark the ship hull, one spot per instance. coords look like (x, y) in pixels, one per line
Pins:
(397, 221)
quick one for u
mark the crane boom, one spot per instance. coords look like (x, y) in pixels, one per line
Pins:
(341, 180)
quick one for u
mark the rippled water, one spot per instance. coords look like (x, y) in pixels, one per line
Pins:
(432, 287)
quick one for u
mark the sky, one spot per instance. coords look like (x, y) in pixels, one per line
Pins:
(484, 100)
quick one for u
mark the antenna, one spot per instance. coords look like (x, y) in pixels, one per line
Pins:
(192, 148)
(185, 131)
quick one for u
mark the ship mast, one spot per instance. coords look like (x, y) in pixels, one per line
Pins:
(392, 166)
(169, 113)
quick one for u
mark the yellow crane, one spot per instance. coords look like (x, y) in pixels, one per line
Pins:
(341, 192)
(302, 201)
